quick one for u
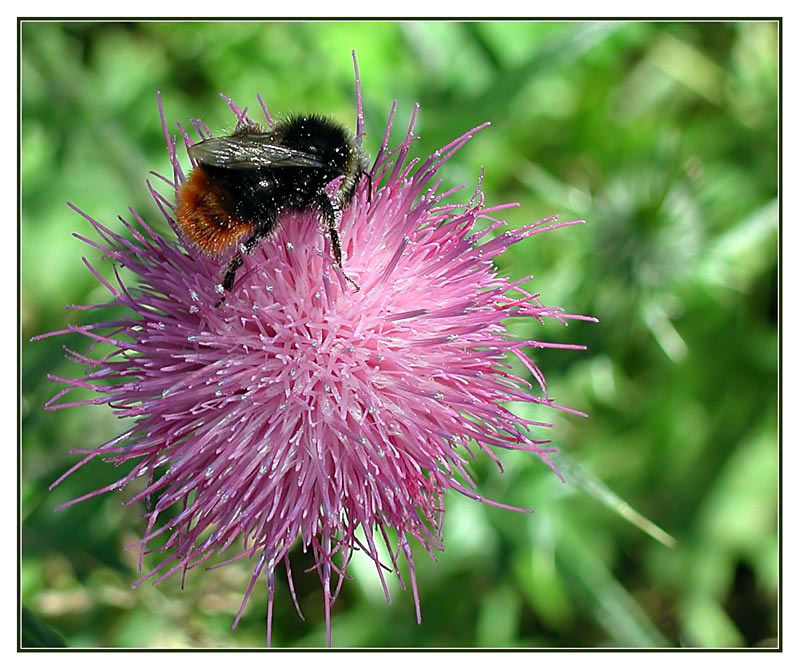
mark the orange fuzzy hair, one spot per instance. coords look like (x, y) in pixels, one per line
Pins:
(203, 218)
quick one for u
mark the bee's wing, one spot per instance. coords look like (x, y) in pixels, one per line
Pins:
(250, 151)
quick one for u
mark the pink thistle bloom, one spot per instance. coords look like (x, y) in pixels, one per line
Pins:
(300, 409)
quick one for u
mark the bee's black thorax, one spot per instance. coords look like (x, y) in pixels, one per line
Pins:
(260, 195)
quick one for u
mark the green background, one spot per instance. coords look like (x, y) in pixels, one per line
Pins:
(663, 136)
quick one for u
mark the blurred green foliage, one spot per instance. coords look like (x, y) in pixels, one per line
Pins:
(663, 136)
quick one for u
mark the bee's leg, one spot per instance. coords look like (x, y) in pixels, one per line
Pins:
(331, 214)
(233, 265)
(236, 262)
(366, 174)
(230, 275)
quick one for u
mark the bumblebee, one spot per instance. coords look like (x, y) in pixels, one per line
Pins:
(242, 183)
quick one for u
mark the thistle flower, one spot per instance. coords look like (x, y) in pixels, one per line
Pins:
(300, 410)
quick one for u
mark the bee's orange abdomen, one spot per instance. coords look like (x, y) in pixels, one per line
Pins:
(203, 218)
